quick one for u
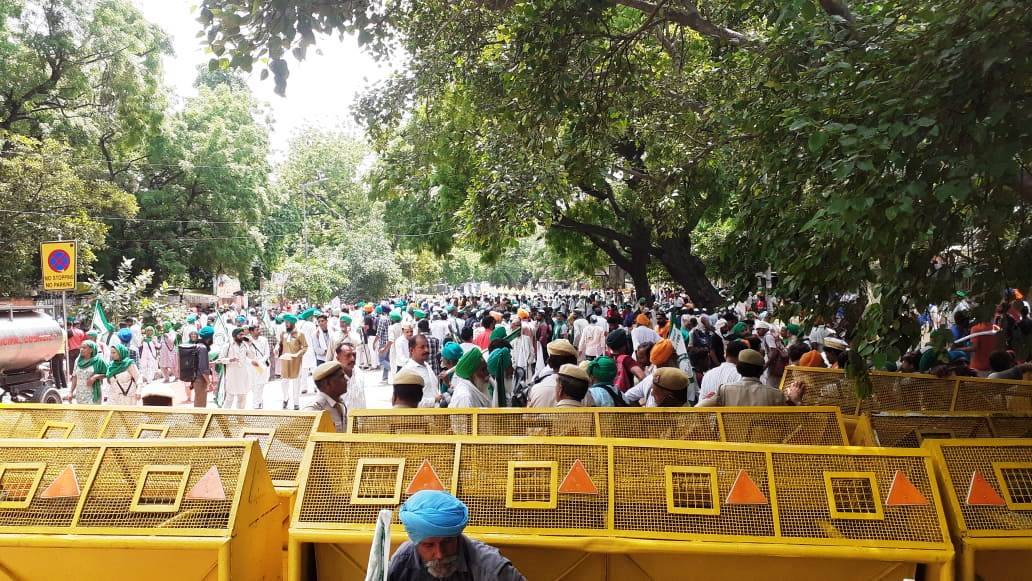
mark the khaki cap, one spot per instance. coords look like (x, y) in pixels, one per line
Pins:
(561, 347)
(325, 370)
(670, 379)
(408, 377)
(751, 356)
(574, 372)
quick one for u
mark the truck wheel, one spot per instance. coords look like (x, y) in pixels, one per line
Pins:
(48, 395)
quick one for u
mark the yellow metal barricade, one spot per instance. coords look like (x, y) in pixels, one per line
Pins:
(987, 485)
(600, 508)
(910, 429)
(281, 435)
(773, 425)
(139, 509)
(911, 392)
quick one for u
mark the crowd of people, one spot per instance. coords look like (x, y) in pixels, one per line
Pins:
(558, 350)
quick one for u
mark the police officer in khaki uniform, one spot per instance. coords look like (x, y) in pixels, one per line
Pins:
(332, 382)
(750, 391)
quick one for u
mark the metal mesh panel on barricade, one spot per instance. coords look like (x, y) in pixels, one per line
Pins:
(154, 423)
(181, 509)
(536, 422)
(668, 490)
(282, 436)
(911, 392)
(51, 422)
(590, 508)
(1017, 425)
(775, 425)
(451, 423)
(1005, 466)
(909, 430)
(987, 485)
(977, 394)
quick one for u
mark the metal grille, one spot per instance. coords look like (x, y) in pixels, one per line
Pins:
(51, 512)
(124, 423)
(326, 497)
(364, 422)
(854, 496)
(283, 451)
(803, 504)
(994, 395)
(526, 423)
(21, 421)
(909, 392)
(1019, 484)
(378, 482)
(962, 462)
(161, 489)
(1012, 426)
(110, 498)
(825, 387)
(792, 427)
(641, 502)
(692, 490)
(18, 483)
(484, 476)
(697, 426)
(908, 431)
(532, 484)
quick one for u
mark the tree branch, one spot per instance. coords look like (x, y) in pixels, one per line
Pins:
(687, 14)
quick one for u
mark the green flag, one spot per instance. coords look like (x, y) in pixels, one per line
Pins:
(100, 323)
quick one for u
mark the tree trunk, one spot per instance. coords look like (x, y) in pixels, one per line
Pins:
(687, 270)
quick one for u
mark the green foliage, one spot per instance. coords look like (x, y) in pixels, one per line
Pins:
(43, 179)
(210, 175)
(882, 146)
(127, 295)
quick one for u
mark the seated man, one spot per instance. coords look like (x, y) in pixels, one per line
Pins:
(437, 549)
(750, 390)
(408, 389)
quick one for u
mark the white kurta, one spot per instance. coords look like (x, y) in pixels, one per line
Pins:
(307, 328)
(466, 395)
(122, 388)
(261, 349)
(237, 358)
(431, 385)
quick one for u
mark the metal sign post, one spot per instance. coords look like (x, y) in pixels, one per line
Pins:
(59, 261)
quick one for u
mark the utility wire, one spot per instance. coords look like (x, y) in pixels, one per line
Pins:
(123, 219)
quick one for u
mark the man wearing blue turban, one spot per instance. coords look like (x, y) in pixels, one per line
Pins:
(437, 549)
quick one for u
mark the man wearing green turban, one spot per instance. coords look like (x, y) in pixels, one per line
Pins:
(499, 365)
(470, 381)
(603, 371)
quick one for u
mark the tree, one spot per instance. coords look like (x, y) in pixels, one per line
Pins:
(44, 198)
(206, 192)
(883, 148)
(129, 295)
(86, 72)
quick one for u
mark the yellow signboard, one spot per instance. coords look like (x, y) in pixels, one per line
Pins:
(59, 262)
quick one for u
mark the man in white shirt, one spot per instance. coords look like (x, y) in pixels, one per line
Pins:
(726, 372)
(419, 355)
(344, 352)
(643, 332)
(542, 393)
(306, 327)
(440, 327)
(591, 342)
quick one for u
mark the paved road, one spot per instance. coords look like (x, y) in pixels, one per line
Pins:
(378, 395)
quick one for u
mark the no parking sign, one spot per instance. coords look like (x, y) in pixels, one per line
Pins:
(58, 262)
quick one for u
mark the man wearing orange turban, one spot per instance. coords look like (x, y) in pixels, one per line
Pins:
(812, 359)
(661, 353)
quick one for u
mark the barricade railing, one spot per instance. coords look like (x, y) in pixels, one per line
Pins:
(910, 429)
(590, 508)
(987, 485)
(910, 392)
(121, 509)
(282, 435)
(770, 425)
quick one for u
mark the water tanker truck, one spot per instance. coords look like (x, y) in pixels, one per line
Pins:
(27, 339)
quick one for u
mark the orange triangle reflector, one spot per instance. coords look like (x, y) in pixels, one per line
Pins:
(745, 491)
(980, 492)
(577, 480)
(209, 487)
(425, 479)
(904, 493)
(66, 485)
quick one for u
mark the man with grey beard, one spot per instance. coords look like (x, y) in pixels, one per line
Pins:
(437, 550)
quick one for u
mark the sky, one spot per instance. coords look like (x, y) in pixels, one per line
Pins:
(321, 90)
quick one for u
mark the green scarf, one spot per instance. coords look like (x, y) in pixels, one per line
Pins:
(147, 338)
(498, 363)
(123, 362)
(98, 365)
